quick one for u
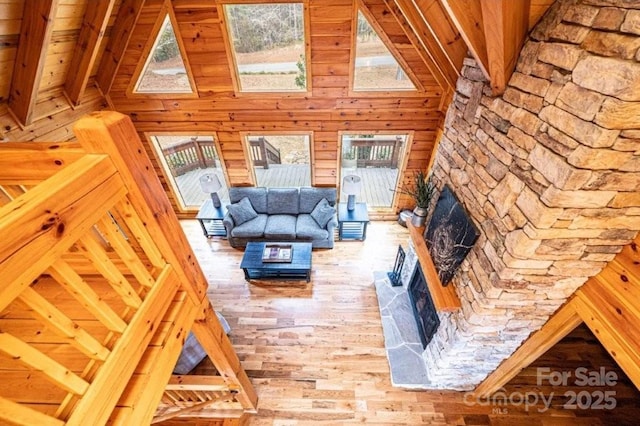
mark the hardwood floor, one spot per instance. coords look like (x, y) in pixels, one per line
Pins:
(315, 352)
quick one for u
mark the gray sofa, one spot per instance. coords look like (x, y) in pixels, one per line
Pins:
(281, 214)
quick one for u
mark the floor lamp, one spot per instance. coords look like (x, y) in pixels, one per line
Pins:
(210, 183)
(351, 185)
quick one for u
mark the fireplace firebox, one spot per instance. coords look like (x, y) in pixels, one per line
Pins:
(423, 308)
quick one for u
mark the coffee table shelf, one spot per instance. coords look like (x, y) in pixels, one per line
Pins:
(299, 267)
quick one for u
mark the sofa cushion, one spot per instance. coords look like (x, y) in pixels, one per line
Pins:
(257, 196)
(242, 211)
(309, 198)
(323, 213)
(282, 201)
(281, 226)
(251, 229)
(307, 229)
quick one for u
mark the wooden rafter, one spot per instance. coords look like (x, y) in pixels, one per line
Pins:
(128, 15)
(467, 17)
(365, 8)
(506, 23)
(494, 31)
(94, 24)
(424, 53)
(35, 34)
(438, 36)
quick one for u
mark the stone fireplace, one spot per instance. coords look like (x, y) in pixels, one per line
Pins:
(549, 173)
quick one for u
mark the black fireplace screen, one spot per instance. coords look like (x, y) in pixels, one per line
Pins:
(423, 308)
(449, 236)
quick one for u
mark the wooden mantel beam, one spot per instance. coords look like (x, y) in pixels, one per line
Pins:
(94, 24)
(505, 23)
(128, 15)
(35, 35)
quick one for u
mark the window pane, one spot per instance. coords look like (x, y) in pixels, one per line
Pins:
(186, 158)
(376, 159)
(281, 161)
(375, 66)
(268, 43)
(164, 71)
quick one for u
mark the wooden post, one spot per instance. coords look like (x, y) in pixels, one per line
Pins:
(214, 340)
(113, 133)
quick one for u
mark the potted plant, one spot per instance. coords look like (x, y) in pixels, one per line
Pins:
(422, 192)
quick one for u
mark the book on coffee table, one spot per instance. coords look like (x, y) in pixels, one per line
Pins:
(277, 253)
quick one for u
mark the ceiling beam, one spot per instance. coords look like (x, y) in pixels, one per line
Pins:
(467, 17)
(35, 34)
(411, 31)
(505, 23)
(438, 33)
(128, 15)
(94, 24)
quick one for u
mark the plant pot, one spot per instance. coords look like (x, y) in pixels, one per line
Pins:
(419, 217)
(349, 163)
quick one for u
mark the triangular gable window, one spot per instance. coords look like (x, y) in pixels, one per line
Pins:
(165, 70)
(375, 66)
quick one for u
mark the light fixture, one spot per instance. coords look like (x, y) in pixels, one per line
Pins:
(351, 185)
(211, 185)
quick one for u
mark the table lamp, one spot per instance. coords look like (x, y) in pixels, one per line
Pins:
(211, 185)
(351, 185)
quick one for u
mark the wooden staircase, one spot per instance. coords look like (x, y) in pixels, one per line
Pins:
(100, 288)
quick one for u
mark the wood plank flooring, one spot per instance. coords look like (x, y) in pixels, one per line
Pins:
(315, 352)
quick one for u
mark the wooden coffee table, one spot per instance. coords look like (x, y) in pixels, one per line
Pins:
(299, 267)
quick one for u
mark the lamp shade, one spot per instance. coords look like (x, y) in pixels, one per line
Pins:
(351, 184)
(210, 183)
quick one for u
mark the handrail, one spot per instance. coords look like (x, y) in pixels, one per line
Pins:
(92, 254)
(263, 153)
(376, 152)
(185, 156)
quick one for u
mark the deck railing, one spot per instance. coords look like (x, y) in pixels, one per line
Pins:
(99, 284)
(376, 152)
(263, 153)
(186, 156)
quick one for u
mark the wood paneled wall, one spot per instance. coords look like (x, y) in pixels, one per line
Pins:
(329, 108)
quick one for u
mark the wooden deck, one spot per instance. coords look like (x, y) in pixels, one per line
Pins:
(378, 182)
(315, 352)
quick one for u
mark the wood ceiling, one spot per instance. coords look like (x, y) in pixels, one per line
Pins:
(60, 59)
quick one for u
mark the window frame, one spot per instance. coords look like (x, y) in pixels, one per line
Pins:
(164, 167)
(165, 11)
(231, 53)
(419, 88)
(244, 136)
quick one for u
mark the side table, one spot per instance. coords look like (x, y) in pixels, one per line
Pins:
(210, 219)
(352, 224)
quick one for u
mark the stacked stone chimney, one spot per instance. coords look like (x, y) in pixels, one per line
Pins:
(550, 174)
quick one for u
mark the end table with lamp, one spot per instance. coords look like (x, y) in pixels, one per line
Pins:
(211, 213)
(352, 217)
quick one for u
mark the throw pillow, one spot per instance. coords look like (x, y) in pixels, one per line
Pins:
(323, 212)
(242, 211)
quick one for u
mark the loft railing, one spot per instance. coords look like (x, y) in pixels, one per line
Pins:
(263, 153)
(99, 284)
(185, 156)
(376, 152)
